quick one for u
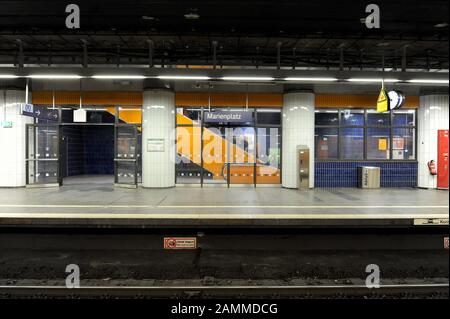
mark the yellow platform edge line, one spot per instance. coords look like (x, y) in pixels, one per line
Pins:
(217, 216)
(214, 206)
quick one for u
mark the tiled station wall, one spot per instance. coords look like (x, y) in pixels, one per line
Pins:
(98, 150)
(90, 150)
(73, 150)
(345, 174)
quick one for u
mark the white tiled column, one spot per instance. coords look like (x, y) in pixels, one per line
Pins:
(298, 129)
(433, 116)
(158, 125)
(12, 140)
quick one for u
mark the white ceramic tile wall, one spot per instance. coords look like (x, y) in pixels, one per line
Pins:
(298, 129)
(158, 122)
(12, 140)
(433, 116)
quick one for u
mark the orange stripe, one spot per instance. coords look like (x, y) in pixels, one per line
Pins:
(217, 99)
(229, 99)
(89, 98)
(357, 101)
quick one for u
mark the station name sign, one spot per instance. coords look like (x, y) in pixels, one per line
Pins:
(229, 117)
(40, 112)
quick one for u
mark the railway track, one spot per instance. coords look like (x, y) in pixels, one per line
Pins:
(337, 291)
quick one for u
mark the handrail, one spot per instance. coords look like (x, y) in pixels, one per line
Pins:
(42, 159)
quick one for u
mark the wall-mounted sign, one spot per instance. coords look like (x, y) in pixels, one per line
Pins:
(398, 143)
(398, 154)
(382, 144)
(79, 116)
(6, 124)
(28, 109)
(239, 117)
(40, 112)
(156, 145)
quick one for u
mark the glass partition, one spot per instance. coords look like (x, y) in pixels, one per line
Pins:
(269, 155)
(365, 135)
(216, 142)
(189, 157)
(42, 155)
(242, 155)
(244, 151)
(378, 143)
(126, 155)
(327, 143)
(352, 143)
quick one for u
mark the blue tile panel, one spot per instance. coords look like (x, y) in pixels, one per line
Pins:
(345, 174)
(98, 150)
(90, 150)
(75, 150)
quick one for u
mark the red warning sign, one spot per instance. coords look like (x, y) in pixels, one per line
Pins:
(446, 243)
(173, 243)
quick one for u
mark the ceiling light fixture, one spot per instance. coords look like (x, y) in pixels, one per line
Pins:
(441, 25)
(311, 79)
(192, 16)
(429, 81)
(374, 80)
(8, 76)
(247, 79)
(119, 77)
(55, 77)
(181, 77)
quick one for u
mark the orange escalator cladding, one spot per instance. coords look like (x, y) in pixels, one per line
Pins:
(218, 152)
(133, 116)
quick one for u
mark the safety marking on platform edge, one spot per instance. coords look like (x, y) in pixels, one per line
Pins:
(213, 206)
(215, 216)
(431, 222)
(306, 207)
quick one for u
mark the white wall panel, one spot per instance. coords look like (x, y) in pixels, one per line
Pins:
(298, 129)
(12, 140)
(158, 123)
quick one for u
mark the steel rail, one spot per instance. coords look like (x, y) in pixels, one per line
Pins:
(221, 291)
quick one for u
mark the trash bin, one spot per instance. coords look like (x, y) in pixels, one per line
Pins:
(369, 177)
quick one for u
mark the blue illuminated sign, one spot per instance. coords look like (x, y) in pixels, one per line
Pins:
(40, 112)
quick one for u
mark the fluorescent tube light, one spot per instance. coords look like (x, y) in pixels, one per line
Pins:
(55, 77)
(119, 77)
(182, 77)
(247, 79)
(311, 79)
(429, 81)
(8, 76)
(373, 80)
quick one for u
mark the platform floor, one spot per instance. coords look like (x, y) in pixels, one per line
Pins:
(95, 202)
